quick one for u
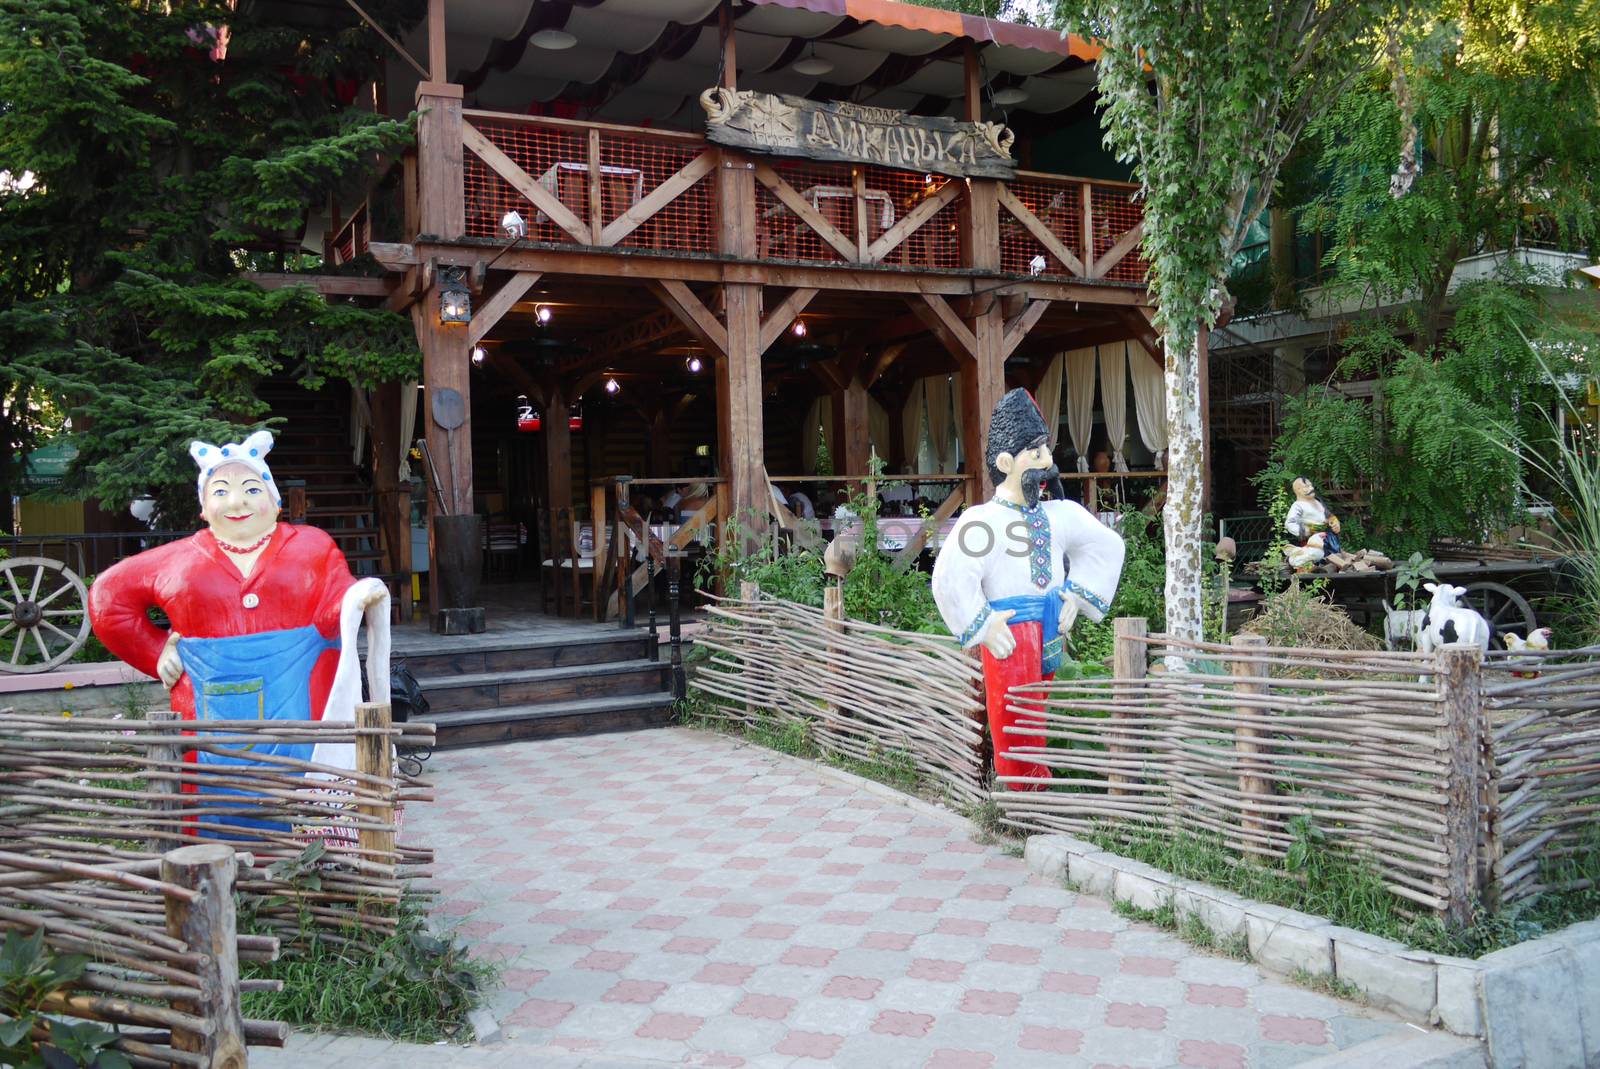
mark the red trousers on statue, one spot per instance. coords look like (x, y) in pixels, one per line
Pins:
(1023, 666)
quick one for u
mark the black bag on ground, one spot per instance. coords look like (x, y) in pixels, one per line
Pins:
(406, 699)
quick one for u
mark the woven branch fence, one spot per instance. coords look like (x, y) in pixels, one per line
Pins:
(863, 692)
(1544, 753)
(1454, 779)
(93, 813)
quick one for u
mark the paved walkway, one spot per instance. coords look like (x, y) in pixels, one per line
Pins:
(678, 897)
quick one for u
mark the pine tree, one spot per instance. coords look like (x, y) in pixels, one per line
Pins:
(172, 148)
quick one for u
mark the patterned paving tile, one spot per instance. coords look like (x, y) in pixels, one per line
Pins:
(685, 899)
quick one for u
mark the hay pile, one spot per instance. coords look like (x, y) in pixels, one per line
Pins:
(1297, 616)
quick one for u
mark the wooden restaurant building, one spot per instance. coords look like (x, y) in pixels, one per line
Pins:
(712, 241)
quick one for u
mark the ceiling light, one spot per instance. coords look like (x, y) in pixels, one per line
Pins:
(694, 365)
(799, 328)
(811, 63)
(479, 355)
(553, 39)
(612, 386)
(1010, 95)
(542, 313)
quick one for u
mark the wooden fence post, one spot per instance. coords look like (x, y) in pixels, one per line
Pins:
(375, 757)
(1460, 673)
(1254, 788)
(1130, 659)
(207, 926)
(170, 789)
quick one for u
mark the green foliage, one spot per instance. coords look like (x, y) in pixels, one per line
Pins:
(165, 169)
(1409, 577)
(30, 972)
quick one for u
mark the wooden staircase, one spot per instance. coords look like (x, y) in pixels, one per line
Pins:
(499, 690)
(314, 447)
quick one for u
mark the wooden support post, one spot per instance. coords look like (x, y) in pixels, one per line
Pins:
(393, 503)
(441, 174)
(557, 452)
(1254, 786)
(599, 576)
(170, 803)
(375, 757)
(437, 67)
(209, 929)
(852, 429)
(984, 380)
(1460, 675)
(1130, 658)
(741, 437)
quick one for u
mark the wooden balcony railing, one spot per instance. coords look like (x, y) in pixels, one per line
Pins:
(598, 185)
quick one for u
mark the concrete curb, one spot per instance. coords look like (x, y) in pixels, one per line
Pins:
(1536, 1004)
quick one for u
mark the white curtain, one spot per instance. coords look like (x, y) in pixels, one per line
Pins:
(911, 426)
(1080, 400)
(810, 436)
(878, 428)
(1149, 400)
(1049, 395)
(360, 422)
(408, 426)
(937, 388)
(1114, 399)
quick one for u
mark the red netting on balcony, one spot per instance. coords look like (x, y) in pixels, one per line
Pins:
(892, 195)
(633, 167)
(1056, 204)
(781, 234)
(1115, 213)
(557, 158)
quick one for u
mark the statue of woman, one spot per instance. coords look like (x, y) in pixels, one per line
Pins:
(263, 614)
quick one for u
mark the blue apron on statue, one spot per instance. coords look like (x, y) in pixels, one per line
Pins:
(266, 676)
(1044, 610)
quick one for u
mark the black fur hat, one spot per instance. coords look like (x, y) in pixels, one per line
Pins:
(1016, 424)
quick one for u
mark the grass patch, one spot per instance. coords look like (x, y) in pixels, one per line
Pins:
(1163, 916)
(1329, 985)
(413, 987)
(1322, 879)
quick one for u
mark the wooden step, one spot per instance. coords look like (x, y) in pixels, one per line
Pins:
(515, 655)
(588, 717)
(543, 686)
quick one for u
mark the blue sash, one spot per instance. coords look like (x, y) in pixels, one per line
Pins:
(266, 676)
(1044, 610)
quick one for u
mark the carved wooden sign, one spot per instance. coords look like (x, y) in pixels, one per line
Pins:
(836, 130)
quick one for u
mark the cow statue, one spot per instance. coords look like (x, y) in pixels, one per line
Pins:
(1402, 628)
(1447, 621)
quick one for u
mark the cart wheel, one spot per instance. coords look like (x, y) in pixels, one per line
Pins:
(1504, 608)
(44, 616)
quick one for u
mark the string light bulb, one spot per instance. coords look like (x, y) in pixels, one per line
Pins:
(799, 328)
(542, 313)
(612, 386)
(694, 365)
(479, 355)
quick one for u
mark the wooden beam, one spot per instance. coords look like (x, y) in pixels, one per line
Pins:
(1017, 328)
(881, 363)
(524, 183)
(971, 82)
(948, 508)
(491, 310)
(810, 216)
(441, 174)
(681, 302)
(890, 239)
(657, 198)
(1143, 329)
(1086, 202)
(1041, 233)
(778, 320)
(944, 324)
(726, 40)
(643, 265)
(596, 199)
(438, 70)
(392, 255)
(1118, 252)
(327, 285)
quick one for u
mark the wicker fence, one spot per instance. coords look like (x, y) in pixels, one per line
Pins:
(1456, 778)
(1544, 749)
(863, 692)
(125, 839)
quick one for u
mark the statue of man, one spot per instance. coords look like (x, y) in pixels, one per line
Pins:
(1309, 516)
(1016, 572)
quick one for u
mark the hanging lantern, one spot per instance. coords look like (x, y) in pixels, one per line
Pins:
(455, 303)
(528, 421)
(575, 417)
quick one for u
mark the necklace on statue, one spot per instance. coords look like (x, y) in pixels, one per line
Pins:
(251, 548)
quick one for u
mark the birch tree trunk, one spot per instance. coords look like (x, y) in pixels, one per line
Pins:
(1182, 518)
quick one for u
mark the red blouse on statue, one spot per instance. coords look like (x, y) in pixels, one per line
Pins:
(299, 580)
